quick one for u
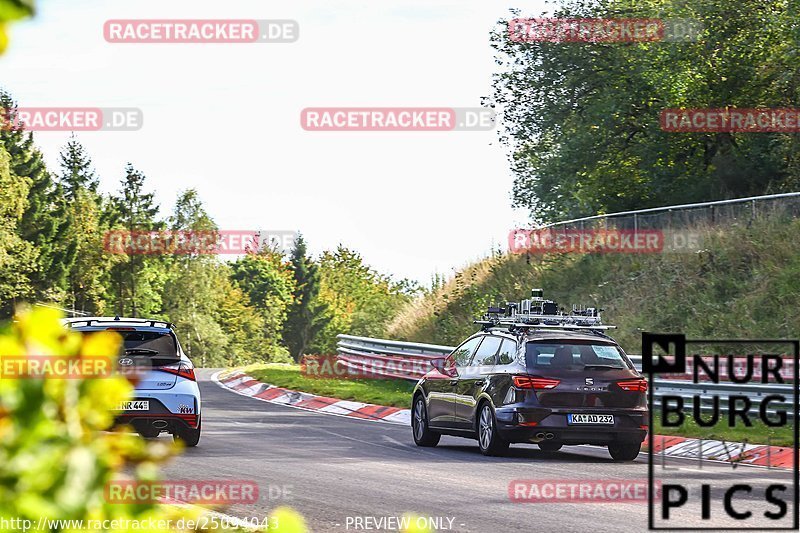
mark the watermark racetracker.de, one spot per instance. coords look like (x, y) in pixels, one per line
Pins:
(197, 242)
(397, 119)
(578, 491)
(55, 367)
(597, 30)
(194, 491)
(554, 240)
(333, 367)
(72, 118)
(731, 120)
(207, 522)
(198, 31)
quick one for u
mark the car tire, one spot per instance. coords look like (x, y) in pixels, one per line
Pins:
(549, 445)
(188, 436)
(423, 436)
(624, 451)
(489, 440)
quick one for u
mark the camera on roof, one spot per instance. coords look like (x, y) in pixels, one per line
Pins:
(537, 305)
(538, 312)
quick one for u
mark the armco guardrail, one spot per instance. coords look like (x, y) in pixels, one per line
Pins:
(411, 360)
(393, 359)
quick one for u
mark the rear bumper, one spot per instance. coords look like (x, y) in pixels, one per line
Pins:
(159, 417)
(526, 424)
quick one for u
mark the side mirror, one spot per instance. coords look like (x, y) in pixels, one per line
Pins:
(446, 366)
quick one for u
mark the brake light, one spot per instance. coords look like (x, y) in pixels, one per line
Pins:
(179, 370)
(634, 385)
(120, 329)
(532, 382)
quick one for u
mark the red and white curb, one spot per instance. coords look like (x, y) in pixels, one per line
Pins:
(245, 385)
(728, 452)
(683, 447)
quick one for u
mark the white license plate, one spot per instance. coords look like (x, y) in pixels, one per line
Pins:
(590, 419)
(135, 405)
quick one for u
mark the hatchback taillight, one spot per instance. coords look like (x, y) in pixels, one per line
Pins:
(633, 385)
(536, 383)
(179, 370)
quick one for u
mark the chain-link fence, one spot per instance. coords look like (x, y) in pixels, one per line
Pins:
(737, 212)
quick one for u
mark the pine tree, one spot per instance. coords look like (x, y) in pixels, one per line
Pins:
(134, 210)
(306, 316)
(76, 169)
(17, 256)
(85, 278)
(45, 221)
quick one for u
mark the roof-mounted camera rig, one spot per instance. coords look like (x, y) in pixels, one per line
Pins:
(538, 313)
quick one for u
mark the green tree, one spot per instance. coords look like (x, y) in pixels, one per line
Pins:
(76, 169)
(192, 290)
(189, 214)
(202, 297)
(268, 281)
(358, 300)
(89, 273)
(17, 256)
(306, 315)
(582, 119)
(45, 220)
(137, 279)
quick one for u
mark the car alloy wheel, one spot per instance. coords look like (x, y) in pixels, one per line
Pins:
(423, 436)
(486, 430)
(489, 441)
(419, 419)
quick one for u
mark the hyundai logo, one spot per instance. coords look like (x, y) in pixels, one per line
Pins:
(126, 361)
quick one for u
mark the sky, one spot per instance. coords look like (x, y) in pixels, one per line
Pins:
(225, 119)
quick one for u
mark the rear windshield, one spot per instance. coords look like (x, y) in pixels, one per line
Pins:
(575, 356)
(149, 343)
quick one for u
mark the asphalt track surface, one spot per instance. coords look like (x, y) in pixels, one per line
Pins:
(347, 474)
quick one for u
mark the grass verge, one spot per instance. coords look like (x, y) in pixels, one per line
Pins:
(392, 392)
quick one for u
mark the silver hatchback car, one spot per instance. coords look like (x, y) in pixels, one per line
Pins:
(166, 396)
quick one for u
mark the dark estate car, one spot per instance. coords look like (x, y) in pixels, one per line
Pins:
(546, 386)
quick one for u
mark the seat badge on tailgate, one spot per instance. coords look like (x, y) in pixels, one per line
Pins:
(589, 386)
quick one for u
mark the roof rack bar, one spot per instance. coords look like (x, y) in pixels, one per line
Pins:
(527, 325)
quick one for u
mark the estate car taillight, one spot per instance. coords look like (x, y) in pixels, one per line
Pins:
(536, 383)
(633, 385)
(179, 370)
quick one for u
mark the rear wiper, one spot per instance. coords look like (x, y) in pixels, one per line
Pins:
(603, 367)
(141, 351)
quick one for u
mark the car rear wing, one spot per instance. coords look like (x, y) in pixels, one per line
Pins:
(97, 321)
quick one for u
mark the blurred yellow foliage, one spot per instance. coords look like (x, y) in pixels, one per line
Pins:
(58, 448)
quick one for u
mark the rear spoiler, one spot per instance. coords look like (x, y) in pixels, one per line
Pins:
(85, 322)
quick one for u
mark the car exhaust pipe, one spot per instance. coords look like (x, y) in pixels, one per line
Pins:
(540, 436)
(549, 436)
(160, 424)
